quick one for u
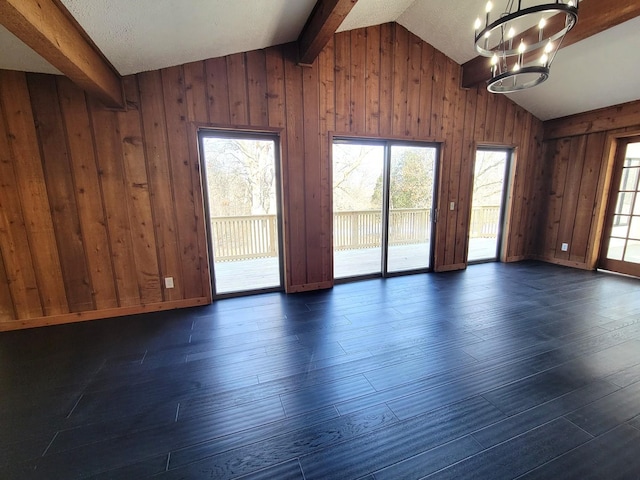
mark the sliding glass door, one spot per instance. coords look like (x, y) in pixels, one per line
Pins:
(383, 203)
(411, 203)
(241, 172)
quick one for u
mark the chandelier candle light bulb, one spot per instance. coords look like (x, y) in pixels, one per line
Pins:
(539, 43)
(521, 49)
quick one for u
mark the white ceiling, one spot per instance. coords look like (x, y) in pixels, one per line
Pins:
(146, 35)
(600, 71)
(142, 35)
(15, 55)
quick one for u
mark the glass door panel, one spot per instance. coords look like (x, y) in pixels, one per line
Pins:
(242, 193)
(411, 193)
(358, 172)
(383, 198)
(622, 245)
(487, 204)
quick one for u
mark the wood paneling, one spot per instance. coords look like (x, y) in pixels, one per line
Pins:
(450, 169)
(88, 218)
(534, 177)
(276, 104)
(184, 196)
(256, 87)
(399, 84)
(387, 34)
(218, 91)
(372, 79)
(317, 235)
(90, 203)
(574, 184)
(196, 91)
(357, 81)
(238, 96)
(326, 63)
(131, 184)
(138, 197)
(414, 81)
(21, 286)
(116, 202)
(426, 90)
(160, 173)
(342, 49)
(294, 196)
(586, 201)
(467, 166)
(32, 192)
(601, 120)
(438, 75)
(60, 189)
(7, 312)
(520, 240)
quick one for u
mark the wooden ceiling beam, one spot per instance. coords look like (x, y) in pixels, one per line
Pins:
(594, 16)
(49, 29)
(321, 25)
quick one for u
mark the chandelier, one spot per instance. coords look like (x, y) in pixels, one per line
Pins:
(522, 42)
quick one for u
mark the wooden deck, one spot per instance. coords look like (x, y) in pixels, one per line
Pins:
(262, 273)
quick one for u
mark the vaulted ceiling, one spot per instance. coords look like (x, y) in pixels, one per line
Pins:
(140, 35)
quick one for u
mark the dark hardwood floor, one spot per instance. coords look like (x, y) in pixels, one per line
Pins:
(502, 371)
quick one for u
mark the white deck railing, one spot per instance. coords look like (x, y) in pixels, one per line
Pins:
(244, 237)
(254, 236)
(485, 222)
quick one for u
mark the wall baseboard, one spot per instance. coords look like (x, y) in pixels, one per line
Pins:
(519, 258)
(101, 314)
(450, 268)
(306, 287)
(564, 263)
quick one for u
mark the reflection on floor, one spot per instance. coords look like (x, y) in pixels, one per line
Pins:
(261, 273)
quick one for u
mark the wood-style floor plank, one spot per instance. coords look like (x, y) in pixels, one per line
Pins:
(274, 450)
(520, 455)
(523, 370)
(369, 453)
(612, 456)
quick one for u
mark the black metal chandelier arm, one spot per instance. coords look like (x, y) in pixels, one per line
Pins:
(570, 11)
(528, 64)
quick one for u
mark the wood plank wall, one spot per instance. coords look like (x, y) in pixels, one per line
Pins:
(577, 167)
(95, 211)
(97, 206)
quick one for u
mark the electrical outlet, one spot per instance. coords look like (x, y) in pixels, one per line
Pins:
(452, 206)
(565, 247)
(168, 282)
